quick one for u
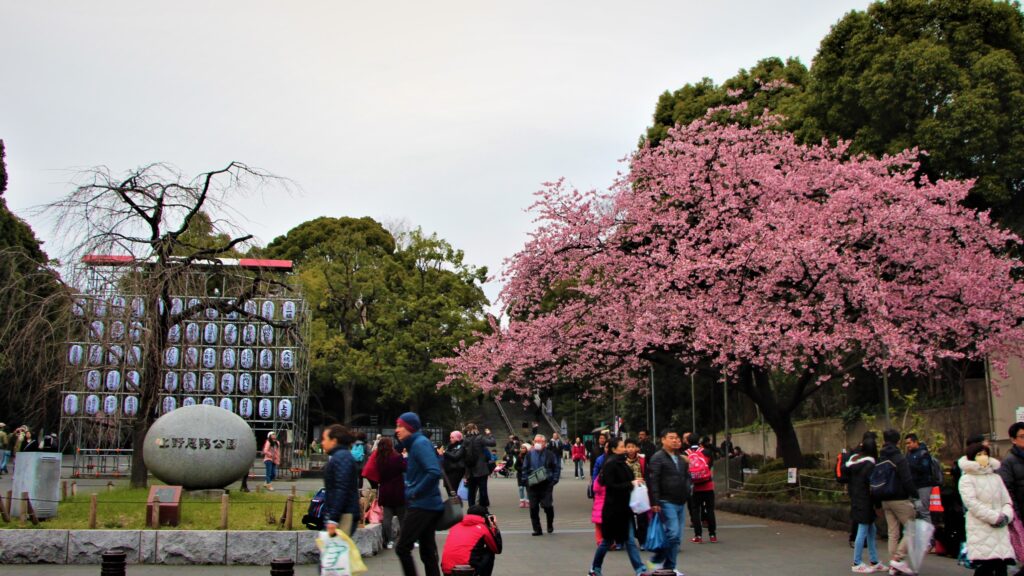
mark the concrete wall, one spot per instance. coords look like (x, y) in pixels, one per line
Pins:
(182, 547)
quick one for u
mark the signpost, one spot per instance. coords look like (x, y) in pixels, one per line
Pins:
(168, 499)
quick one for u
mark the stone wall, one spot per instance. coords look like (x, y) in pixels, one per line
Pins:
(183, 547)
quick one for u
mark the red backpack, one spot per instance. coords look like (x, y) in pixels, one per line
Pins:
(700, 472)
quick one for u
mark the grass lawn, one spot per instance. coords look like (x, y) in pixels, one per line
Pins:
(125, 509)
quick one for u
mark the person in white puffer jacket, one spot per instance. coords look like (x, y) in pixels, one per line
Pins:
(989, 511)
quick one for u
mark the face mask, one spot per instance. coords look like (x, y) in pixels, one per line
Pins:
(982, 460)
(538, 446)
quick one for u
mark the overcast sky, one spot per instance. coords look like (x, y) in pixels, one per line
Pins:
(446, 114)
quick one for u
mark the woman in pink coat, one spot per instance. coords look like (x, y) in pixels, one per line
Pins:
(271, 458)
(599, 493)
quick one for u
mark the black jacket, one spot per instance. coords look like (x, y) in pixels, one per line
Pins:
(862, 508)
(455, 461)
(668, 481)
(617, 478)
(478, 455)
(920, 462)
(892, 452)
(1012, 473)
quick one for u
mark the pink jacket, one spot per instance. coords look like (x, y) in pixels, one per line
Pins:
(271, 453)
(595, 512)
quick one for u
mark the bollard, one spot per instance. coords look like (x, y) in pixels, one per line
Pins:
(155, 518)
(282, 567)
(92, 511)
(464, 570)
(224, 503)
(113, 563)
(63, 490)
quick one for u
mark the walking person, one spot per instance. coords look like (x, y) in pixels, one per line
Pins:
(520, 467)
(556, 445)
(455, 459)
(478, 464)
(669, 484)
(702, 502)
(920, 461)
(422, 496)
(597, 451)
(638, 466)
(989, 512)
(862, 508)
(1011, 471)
(647, 447)
(341, 484)
(579, 455)
(391, 489)
(4, 453)
(272, 459)
(598, 491)
(898, 504)
(618, 479)
(542, 470)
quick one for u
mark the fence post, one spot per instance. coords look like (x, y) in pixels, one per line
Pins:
(74, 488)
(63, 490)
(282, 567)
(155, 516)
(288, 512)
(10, 494)
(92, 512)
(113, 563)
(28, 508)
(3, 510)
(224, 511)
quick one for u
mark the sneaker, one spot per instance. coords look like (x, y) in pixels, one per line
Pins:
(696, 539)
(653, 566)
(594, 572)
(391, 546)
(861, 569)
(714, 539)
(879, 567)
(899, 567)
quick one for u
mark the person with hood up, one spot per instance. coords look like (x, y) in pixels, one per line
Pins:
(862, 509)
(422, 496)
(473, 542)
(989, 511)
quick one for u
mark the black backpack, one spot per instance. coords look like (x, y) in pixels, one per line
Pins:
(314, 518)
(937, 476)
(885, 481)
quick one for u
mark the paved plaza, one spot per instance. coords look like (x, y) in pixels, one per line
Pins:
(747, 546)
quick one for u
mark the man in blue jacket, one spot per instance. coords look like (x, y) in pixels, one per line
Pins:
(423, 498)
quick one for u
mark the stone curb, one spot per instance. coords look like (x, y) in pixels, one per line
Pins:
(175, 547)
(835, 517)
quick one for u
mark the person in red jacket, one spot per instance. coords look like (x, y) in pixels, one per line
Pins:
(579, 455)
(473, 542)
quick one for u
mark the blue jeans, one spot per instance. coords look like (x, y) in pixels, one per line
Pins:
(579, 469)
(631, 549)
(674, 518)
(4, 455)
(522, 493)
(865, 532)
(271, 469)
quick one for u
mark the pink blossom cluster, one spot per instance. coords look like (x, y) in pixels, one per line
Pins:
(738, 248)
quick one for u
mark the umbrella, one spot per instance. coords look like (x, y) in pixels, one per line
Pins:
(919, 539)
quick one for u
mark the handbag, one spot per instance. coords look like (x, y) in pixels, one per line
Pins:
(538, 475)
(639, 501)
(452, 513)
(371, 471)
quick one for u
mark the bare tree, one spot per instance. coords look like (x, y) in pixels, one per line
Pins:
(151, 215)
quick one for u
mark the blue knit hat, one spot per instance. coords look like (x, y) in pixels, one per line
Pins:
(410, 421)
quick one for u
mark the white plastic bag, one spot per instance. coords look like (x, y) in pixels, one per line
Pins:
(919, 539)
(639, 502)
(463, 491)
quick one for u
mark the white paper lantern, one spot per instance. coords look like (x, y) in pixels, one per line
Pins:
(192, 303)
(177, 306)
(266, 359)
(135, 332)
(191, 357)
(188, 382)
(267, 334)
(113, 381)
(268, 310)
(266, 384)
(75, 355)
(245, 408)
(92, 380)
(249, 334)
(134, 357)
(71, 404)
(95, 354)
(265, 409)
(96, 330)
(115, 354)
(92, 404)
(284, 409)
(131, 406)
(288, 310)
(189, 401)
(117, 330)
(99, 307)
(169, 404)
(227, 404)
(249, 307)
(171, 381)
(138, 307)
(210, 333)
(131, 380)
(117, 304)
(209, 382)
(110, 405)
(231, 334)
(78, 306)
(247, 358)
(245, 383)
(174, 334)
(233, 315)
(227, 359)
(192, 332)
(209, 402)
(212, 313)
(209, 358)
(171, 357)
(227, 383)
(287, 359)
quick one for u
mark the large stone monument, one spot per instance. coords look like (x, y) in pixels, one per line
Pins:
(199, 447)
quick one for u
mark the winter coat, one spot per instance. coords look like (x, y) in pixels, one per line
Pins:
(518, 466)
(862, 508)
(579, 452)
(422, 474)
(469, 542)
(341, 485)
(272, 452)
(535, 459)
(1012, 473)
(599, 491)
(478, 456)
(668, 481)
(985, 498)
(391, 492)
(909, 489)
(617, 479)
(920, 462)
(455, 461)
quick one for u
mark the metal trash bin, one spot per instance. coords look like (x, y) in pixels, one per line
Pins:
(37, 473)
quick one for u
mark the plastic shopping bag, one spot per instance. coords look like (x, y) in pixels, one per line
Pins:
(463, 491)
(639, 502)
(339, 556)
(919, 539)
(655, 534)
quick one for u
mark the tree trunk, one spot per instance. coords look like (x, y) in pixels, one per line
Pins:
(787, 443)
(756, 384)
(347, 395)
(140, 474)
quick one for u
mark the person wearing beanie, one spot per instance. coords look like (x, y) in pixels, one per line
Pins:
(455, 459)
(473, 542)
(424, 505)
(989, 512)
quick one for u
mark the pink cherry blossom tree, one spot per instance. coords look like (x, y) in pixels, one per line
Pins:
(778, 265)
